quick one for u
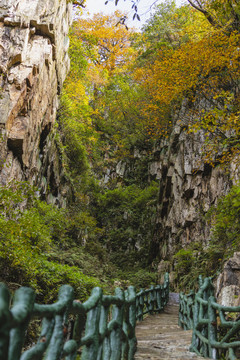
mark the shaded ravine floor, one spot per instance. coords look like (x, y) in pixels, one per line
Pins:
(160, 338)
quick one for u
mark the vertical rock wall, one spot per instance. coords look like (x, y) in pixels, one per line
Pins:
(188, 188)
(33, 65)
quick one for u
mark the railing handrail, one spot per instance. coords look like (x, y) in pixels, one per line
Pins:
(208, 320)
(104, 325)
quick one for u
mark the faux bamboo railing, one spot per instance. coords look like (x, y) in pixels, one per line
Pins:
(104, 325)
(215, 332)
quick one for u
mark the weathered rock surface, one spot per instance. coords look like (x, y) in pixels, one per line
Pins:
(33, 66)
(228, 282)
(188, 188)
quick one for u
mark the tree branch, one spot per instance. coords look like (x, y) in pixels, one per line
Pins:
(208, 16)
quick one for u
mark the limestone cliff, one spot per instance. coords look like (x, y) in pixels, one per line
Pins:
(33, 65)
(188, 187)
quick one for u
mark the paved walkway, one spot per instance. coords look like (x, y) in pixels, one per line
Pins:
(160, 338)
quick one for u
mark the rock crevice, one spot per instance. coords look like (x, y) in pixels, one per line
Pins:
(188, 188)
(34, 63)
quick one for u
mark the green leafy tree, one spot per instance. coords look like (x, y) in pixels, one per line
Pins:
(127, 216)
(221, 14)
(225, 220)
(29, 230)
(172, 26)
(197, 259)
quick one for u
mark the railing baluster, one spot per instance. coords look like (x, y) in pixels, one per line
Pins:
(206, 339)
(152, 300)
(23, 303)
(103, 327)
(212, 328)
(159, 297)
(103, 331)
(115, 325)
(5, 321)
(37, 351)
(132, 341)
(91, 338)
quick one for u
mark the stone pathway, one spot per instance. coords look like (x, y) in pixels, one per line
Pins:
(160, 338)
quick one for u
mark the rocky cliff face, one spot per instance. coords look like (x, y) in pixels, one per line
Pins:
(33, 66)
(227, 284)
(188, 188)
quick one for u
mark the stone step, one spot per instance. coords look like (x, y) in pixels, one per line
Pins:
(160, 338)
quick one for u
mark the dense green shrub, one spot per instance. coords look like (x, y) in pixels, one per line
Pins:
(225, 221)
(208, 260)
(143, 279)
(127, 216)
(189, 263)
(29, 229)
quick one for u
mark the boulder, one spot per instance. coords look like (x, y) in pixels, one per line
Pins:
(228, 282)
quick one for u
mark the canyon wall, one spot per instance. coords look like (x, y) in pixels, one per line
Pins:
(33, 65)
(188, 188)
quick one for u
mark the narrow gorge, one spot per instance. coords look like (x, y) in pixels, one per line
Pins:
(127, 194)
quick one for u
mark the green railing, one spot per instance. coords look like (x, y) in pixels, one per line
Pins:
(216, 328)
(152, 300)
(103, 327)
(186, 304)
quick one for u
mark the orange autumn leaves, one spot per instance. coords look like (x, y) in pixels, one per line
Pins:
(107, 44)
(136, 83)
(199, 68)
